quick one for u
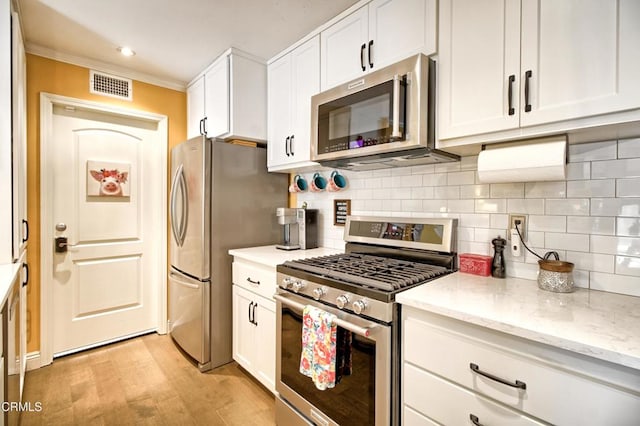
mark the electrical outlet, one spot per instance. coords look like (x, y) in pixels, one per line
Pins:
(522, 226)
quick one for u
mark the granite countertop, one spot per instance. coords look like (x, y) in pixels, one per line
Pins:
(594, 323)
(271, 256)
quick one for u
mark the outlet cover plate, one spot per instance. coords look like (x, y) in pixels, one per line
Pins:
(522, 227)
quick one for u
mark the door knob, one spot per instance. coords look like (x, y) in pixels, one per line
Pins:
(61, 227)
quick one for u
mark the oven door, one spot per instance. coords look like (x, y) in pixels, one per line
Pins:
(361, 398)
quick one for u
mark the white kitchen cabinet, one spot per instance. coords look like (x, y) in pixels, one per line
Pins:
(292, 80)
(517, 63)
(254, 320)
(19, 139)
(229, 99)
(452, 370)
(6, 159)
(377, 34)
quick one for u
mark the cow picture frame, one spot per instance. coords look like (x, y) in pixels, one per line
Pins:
(108, 179)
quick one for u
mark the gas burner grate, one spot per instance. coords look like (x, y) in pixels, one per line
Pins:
(383, 273)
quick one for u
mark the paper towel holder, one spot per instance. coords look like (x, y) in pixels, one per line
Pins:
(530, 160)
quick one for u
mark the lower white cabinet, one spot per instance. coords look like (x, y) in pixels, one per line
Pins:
(254, 320)
(458, 373)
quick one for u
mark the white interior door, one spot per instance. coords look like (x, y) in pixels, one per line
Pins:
(107, 177)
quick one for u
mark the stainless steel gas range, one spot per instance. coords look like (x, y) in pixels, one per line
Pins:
(383, 256)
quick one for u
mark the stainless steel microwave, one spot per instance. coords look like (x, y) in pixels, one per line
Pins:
(384, 119)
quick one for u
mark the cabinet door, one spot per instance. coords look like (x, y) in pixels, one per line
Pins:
(243, 330)
(279, 111)
(479, 52)
(195, 107)
(399, 29)
(306, 83)
(584, 57)
(19, 116)
(265, 318)
(343, 57)
(216, 98)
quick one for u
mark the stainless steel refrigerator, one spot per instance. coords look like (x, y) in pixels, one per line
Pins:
(222, 197)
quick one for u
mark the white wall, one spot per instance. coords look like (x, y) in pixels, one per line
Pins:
(592, 219)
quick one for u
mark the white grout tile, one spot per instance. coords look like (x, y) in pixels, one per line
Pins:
(591, 225)
(592, 151)
(436, 179)
(615, 169)
(421, 193)
(528, 206)
(581, 278)
(373, 183)
(411, 205)
(475, 220)
(447, 167)
(381, 173)
(628, 226)
(548, 223)
(592, 261)
(628, 187)
(615, 283)
(626, 265)
(446, 192)
(435, 206)
(499, 221)
(570, 206)
(400, 171)
(461, 206)
(487, 234)
(507, 190)
(629, 148)
(545, 189)
(591, 188)
(381, 194)
(624, 246)
(579, 171)
(536, 239)
(373, 204)
(475, 191)
(474, 247)
(491, 206)
(466, 234)
(402, 193)
(461, 178)
(627, 207)
(573, 242)
(522, 270)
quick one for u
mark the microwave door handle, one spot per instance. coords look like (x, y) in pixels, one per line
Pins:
(395, 131)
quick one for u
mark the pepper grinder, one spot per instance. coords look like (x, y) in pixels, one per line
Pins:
(498, 269)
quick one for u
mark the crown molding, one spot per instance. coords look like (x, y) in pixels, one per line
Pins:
(106, 67)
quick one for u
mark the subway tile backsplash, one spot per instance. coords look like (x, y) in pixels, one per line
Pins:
(592, 219)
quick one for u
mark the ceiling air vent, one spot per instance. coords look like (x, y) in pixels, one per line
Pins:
(110, 85)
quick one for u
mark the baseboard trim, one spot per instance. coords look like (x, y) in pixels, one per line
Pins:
(33, 361)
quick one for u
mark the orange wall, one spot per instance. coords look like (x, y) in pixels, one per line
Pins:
(46, 75)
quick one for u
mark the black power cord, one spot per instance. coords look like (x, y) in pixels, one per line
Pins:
(517, 222)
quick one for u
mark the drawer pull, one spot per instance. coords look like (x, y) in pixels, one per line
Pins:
(518, 384)
(252, 281)
(475, 420)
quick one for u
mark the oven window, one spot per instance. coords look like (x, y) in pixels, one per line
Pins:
(352, 401)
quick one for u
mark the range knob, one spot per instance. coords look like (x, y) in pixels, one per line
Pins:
(342, 301)
(298, 285)
(318, 293)
(359, 306)
(286, 283)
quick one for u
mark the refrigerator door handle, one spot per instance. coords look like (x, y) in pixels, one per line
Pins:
(179, 229)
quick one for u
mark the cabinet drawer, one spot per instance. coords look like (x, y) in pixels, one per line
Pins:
(554, 392)
(449, 404)
(254, 277)
(411, 417)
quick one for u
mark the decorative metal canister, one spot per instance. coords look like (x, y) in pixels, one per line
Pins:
(555, 275)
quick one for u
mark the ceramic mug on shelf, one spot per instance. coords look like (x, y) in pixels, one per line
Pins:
(299, 184)
(337, 182)
(318, 183)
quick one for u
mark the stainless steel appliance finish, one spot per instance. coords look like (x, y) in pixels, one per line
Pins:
(384, 256)
(221, 198)
(384, 119)
(300, 228)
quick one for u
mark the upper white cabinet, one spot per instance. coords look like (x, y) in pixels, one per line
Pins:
(229, 100)
(6, 225)
(378, 34)
(516, 63)
(292, 80)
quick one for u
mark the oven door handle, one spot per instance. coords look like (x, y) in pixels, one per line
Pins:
(362, 331)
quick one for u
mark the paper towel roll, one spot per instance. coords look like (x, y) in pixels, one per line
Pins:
(528, 162)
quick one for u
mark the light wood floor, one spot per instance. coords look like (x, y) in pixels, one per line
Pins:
(145, 380)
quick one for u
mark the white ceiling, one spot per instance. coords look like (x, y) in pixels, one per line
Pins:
(173, 39)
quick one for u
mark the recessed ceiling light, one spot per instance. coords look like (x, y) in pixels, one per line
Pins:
(126, 51)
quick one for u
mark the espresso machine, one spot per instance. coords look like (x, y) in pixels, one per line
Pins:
(300, 228)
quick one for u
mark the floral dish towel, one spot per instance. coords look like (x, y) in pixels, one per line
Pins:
(318, 358)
